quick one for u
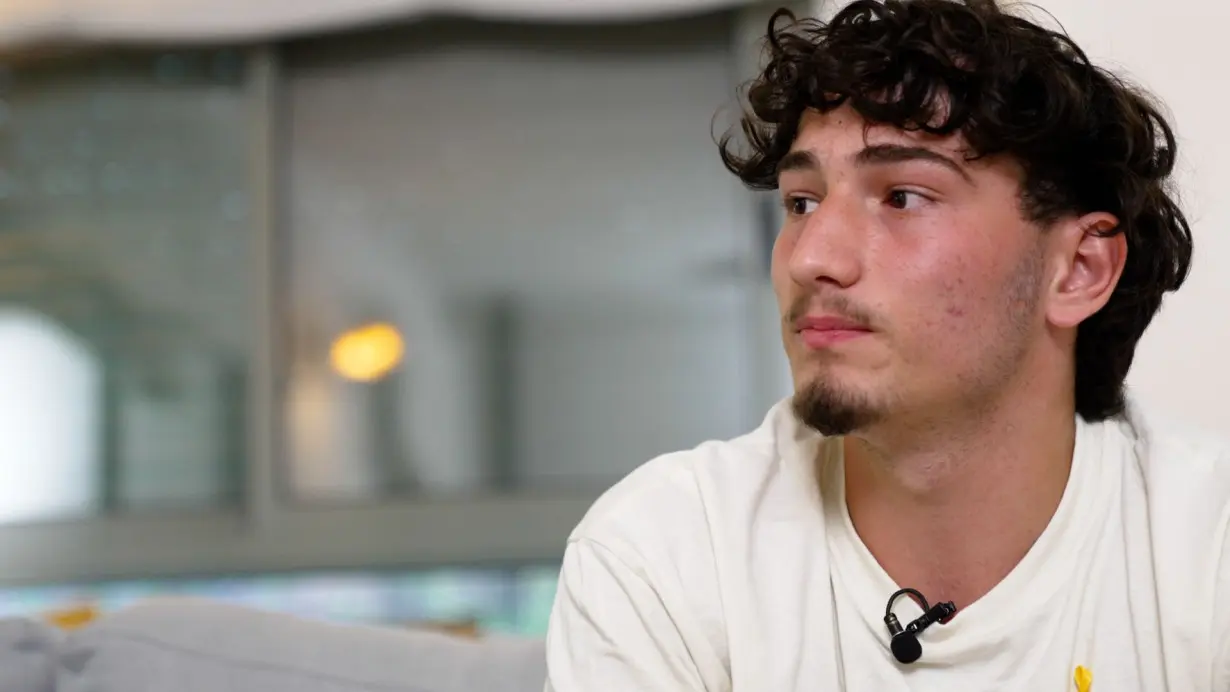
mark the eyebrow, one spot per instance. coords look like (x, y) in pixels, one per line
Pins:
(877, 154)
(897, 153)
(798, 160)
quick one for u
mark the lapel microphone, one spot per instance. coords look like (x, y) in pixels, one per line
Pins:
(904, 643)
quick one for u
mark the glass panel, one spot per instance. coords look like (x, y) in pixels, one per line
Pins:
(514, 601)
(520, 264)
(124, 282)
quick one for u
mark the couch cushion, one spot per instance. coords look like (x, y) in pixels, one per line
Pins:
(27, 656)
(195, 646)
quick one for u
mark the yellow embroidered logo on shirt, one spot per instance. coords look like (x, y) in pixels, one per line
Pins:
(1083, 677)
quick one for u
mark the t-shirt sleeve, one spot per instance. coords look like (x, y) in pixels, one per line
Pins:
(610, 629)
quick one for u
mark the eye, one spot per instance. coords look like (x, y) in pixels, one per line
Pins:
(799, 206)
(905, 199)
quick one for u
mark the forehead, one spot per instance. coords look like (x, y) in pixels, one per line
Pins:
(842, 132)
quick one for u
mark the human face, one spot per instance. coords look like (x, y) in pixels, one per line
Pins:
(907, 277)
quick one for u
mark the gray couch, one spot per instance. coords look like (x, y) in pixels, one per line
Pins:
(195, 646)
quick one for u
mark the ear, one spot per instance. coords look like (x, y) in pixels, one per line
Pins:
(1091, 256)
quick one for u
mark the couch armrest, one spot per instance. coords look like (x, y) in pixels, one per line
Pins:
(28, 656)
(188, 645)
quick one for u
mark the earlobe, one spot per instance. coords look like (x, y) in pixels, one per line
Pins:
(1095, 252)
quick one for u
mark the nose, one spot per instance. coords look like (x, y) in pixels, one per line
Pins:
(829, 245)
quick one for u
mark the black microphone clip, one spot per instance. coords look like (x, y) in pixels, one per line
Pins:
(904, 643)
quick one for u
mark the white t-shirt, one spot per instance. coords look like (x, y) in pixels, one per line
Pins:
(729, 567)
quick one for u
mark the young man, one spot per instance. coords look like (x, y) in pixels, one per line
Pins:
(978, 231)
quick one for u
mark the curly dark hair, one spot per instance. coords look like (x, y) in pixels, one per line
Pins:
(1086, 140)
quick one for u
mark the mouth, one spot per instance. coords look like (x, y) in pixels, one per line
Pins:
(825, 332)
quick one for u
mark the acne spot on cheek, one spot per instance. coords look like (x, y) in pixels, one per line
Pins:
(954, 308)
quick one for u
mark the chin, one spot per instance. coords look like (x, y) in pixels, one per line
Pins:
(832, 409)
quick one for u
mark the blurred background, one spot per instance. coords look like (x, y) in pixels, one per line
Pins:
(353, 315)
(351, 308)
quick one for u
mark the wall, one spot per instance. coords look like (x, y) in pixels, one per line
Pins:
(603, 391)
(568, 173)
(1182, 365)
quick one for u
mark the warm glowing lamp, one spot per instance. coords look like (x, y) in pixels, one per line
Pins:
(367, 353)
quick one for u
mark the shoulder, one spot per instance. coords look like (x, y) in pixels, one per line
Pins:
(674, 534)
(1185, 473)
(643, 587)
(1186, 477)
(676, 502)
(1185, 468)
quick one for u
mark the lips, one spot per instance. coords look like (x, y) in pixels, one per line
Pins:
(828, 323)
(826, 331)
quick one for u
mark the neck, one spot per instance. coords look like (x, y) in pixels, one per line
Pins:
(953, 511)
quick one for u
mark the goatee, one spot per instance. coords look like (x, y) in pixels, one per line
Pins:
(832, 412)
